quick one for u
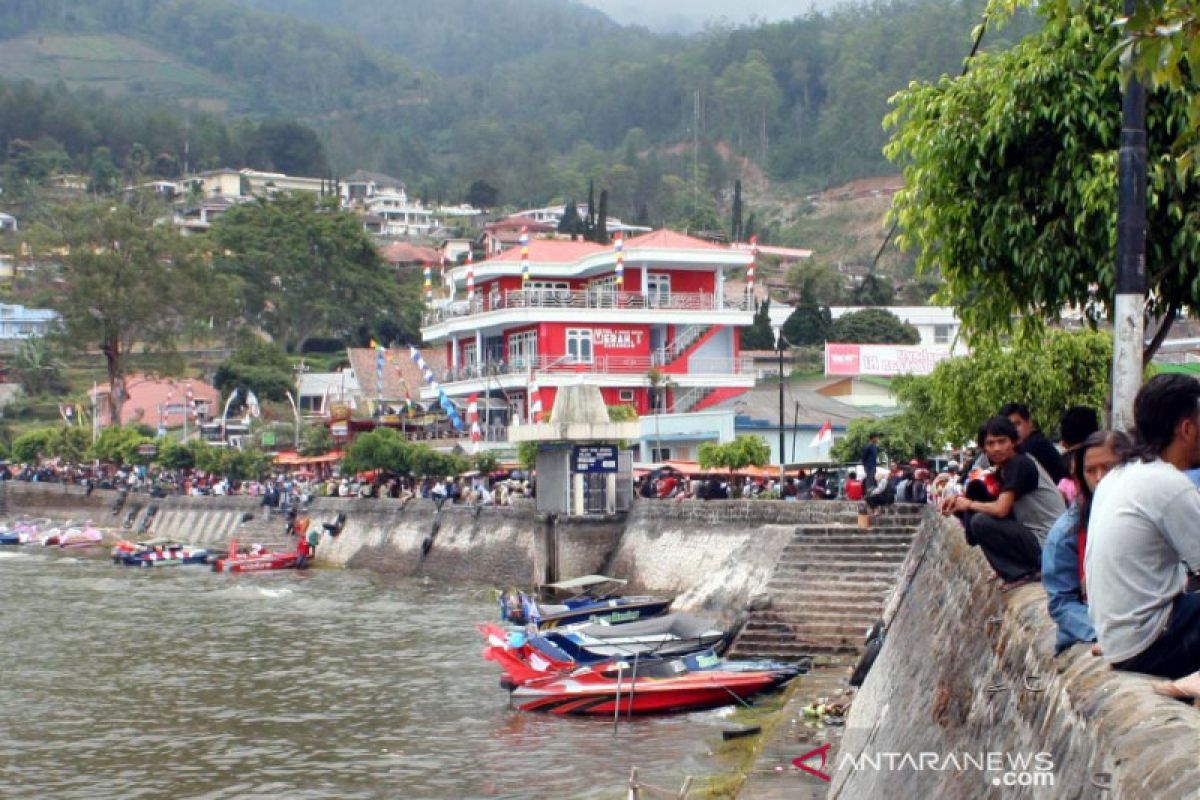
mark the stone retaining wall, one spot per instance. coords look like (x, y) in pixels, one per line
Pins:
(966, 669)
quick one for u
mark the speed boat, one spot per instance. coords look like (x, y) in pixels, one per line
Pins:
(259, 559)
(158, 553)
(656, 687)
(668, 635)
(592, 602)
(87, 536)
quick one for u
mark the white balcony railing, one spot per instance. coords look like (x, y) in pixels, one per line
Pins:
(605, 365)
(587, 298)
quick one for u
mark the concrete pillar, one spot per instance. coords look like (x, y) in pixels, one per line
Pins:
(720, 288)
(454, 352)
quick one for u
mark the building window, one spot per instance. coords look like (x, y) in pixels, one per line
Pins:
(942, 334)
(522, 349)
(468, 355)
(579, 345)
(658, 288)
(603, 291)
(625, 395)
(660, 454)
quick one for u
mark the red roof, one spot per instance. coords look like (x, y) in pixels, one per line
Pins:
(518, 222)
(671, 240)
(554, 251)
(399, 371)
(151, 400)
(405, 253)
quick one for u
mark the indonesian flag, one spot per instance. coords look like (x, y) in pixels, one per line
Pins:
(473, 419)
(535, 403)
(824, 437)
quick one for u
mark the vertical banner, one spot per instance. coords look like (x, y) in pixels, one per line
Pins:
(619, 246)
(524, 240)
(753, 261)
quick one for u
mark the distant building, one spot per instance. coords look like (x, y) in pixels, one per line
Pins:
(8, 223)
(18, 322)
(253, 183)
(550, 215)
(160, 402)
(935, 324)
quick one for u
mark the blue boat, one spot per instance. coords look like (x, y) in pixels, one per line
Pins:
(592, 603)
(159, 554)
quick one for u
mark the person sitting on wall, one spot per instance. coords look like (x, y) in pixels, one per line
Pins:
(1032, 442)
(885, 493)
(1076, 425)
(1066, 544)
(1010, 530)
(1144, 536)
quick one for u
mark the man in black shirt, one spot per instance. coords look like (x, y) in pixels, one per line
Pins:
(1032, 442)
(870, 459)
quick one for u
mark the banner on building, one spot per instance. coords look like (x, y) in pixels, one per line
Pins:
(883, 359)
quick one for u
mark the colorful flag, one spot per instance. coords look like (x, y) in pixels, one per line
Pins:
(524, 240)
(535, 402)
(428, 274)
(443, 400)
(619, 244)
(824, 437)
(473, 418)
(251, 403)
(470, 277)
(750, 269)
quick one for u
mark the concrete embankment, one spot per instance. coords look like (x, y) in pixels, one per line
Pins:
(968, 670)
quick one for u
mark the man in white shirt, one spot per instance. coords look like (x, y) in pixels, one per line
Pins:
(1144, 537)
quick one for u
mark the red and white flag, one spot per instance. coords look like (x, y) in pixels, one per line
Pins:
(824, 437)
(473, 419)
(535, 403)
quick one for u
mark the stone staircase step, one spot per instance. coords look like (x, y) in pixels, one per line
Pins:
(812, 607)
(794, 650)
(841, 557)
(843, 573)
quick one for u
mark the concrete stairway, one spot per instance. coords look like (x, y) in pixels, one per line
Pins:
(829, 586)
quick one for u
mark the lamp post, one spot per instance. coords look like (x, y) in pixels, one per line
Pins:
(779, 342)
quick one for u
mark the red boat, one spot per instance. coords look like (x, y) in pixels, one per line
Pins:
(659, 685)
(258, 560)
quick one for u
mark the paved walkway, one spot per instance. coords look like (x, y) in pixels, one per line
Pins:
(773, 777)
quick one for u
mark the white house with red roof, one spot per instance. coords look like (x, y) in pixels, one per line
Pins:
(662, 336)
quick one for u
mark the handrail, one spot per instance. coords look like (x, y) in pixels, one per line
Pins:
(608, 365)
(582, 298)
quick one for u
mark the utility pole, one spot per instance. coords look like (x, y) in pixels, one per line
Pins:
(1128, 322)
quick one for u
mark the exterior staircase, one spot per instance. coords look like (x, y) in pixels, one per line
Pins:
(829, 586)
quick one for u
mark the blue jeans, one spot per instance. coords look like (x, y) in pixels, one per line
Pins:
(1176, 652)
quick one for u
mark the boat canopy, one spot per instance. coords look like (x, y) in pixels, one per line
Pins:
(585, 581)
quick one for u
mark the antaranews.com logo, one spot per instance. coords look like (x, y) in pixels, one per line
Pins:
(1000, 768)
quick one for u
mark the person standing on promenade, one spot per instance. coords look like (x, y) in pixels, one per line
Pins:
(870, 459)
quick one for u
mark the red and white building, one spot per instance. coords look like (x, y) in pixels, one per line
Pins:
(573, 320)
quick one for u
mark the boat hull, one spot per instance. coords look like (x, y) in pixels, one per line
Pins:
(266, 563)
(570, 696)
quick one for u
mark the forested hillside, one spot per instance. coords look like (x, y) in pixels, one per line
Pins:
(532, 98)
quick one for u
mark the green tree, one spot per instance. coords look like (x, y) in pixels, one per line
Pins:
(873, 291)
(174, 455)
(382, 448)
(1011, 180)
(316, 440)
(873, 326)
(759, 335)
(118, 279)
(742, 452)
(31, 446)
(809, 325)
(816, 284)
(571, 222)
(902, 438)
(482, 194)
(306, 268)
(118, 445)
(37, 369)
(1048, 370)
(736, 224)
(258, 366)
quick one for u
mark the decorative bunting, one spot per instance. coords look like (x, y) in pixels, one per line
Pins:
(619, 244)
(428, 274)
(470, 277)
(524, 240)
(753, 259)
(443, 400)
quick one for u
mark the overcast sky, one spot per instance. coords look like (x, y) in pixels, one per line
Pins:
(690, 15)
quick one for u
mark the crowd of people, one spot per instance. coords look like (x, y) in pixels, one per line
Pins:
(667, 484)
(1110, 525)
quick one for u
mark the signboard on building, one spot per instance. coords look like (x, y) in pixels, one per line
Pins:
(883, 359)
(594, 458)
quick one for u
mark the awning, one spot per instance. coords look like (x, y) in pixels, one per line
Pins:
(294, 459)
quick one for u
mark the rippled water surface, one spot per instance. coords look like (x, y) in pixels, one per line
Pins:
(181, 683)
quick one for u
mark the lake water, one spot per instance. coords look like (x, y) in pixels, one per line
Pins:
(181, 683)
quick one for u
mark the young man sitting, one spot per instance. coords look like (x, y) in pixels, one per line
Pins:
(1011, 529)
(1144, 536)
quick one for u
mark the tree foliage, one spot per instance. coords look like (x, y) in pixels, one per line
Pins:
(258, 366)
(306, 269)
(1049, 371)
(873, 326)
(118, 445)
(902, 438)
(1011, 179)
(742, 452)
(64, 442)
(387, 449)
(117, 279)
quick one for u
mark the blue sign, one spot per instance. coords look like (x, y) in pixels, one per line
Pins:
(594, 458)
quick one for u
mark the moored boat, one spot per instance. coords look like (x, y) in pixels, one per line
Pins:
(158, 553)
(592, 603)
(258, 559)
(87, 536)
(658, 687)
